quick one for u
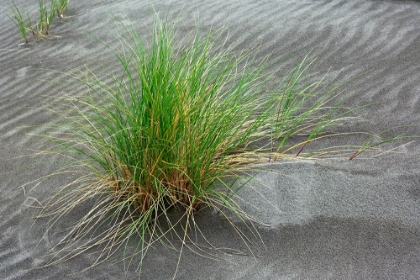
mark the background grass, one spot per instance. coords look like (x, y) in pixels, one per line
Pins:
(46, 15)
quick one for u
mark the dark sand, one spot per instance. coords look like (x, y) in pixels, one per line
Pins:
(336, 219)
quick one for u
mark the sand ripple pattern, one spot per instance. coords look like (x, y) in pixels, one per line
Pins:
(379, 40)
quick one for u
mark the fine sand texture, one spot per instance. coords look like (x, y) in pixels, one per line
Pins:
(323, 219)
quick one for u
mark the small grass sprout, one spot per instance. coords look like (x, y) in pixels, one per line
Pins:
(167, 133)
(46, 16)
(42, 20)
(51, 14)
(61, 7)
(22, 21)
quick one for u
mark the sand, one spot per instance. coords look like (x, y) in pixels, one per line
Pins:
(334, 219)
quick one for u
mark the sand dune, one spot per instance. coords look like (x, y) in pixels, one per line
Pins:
(336, 219)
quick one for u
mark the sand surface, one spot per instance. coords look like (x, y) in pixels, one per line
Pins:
(335, 219)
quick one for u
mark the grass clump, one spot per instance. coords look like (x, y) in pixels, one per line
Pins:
(166, 133)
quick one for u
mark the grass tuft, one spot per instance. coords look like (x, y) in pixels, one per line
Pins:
(169, 132)
(22, 21)
(46, 16)
(61, 7)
